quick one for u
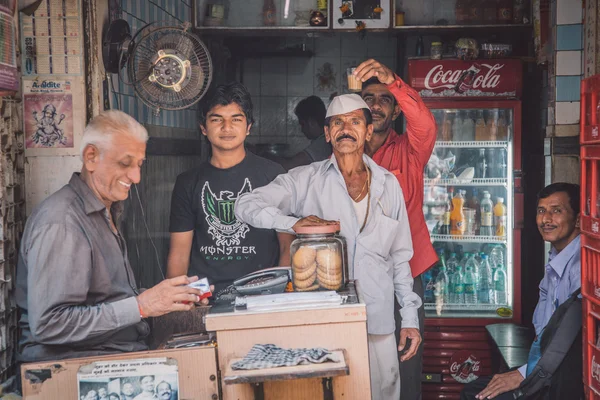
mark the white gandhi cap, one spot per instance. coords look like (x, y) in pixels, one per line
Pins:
(345, 103)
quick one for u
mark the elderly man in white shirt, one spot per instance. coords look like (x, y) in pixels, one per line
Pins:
(367, 200)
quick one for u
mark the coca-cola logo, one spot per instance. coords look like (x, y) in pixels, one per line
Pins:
(488, 78)
(595, 369)
(464, 366)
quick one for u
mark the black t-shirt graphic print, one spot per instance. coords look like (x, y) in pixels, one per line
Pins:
(203, 200)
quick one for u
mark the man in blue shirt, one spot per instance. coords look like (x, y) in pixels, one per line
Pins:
(557, 218)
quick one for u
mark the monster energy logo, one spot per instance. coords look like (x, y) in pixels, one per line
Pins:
(219, 210)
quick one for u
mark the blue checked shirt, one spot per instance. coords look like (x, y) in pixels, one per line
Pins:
(378, 256)
(562, 278)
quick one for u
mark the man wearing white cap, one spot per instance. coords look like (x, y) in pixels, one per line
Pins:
(368, 202)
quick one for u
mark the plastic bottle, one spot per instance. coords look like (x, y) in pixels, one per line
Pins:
(447, 127)
(445, 221)
(484, 284)
(496, 256)
(472, 263)
(500, 285)
(468, 127)
(487, 223)
(502, 128)
(452, 263)
(470, 286)
(269, 13)
(481, 165)
(490, 159)
(493, 127)
(457, 217)
(419, 50)
(457, 296)
(474, 204)
(457, 127)
(500, 217)
(442, 286)
(480, 128)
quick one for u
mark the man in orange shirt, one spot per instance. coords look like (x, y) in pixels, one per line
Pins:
(405, 156)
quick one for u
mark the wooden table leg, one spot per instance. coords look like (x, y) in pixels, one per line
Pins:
(327, 389)
(259, 391)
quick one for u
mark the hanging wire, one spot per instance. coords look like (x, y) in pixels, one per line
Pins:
(184, 2)
(148, 232)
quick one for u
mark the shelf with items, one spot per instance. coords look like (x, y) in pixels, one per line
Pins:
(468, 238)
(465, 307)
(466, 182)
(472, 144)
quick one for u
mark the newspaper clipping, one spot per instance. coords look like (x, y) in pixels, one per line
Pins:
(141, 379)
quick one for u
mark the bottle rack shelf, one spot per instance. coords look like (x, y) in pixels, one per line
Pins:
(465, 307)
(466, 182)
(472, 144)
(468, 239)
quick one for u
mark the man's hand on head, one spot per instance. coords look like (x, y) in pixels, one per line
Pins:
(415, 341)
(312, 220)
(168, 296)
(373, 68)
(501, 383)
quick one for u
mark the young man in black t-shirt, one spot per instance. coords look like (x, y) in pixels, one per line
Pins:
(206, 238)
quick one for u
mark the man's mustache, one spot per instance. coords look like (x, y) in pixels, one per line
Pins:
(376, 114)
(345, 136)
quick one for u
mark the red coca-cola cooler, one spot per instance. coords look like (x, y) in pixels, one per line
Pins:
(475, 168)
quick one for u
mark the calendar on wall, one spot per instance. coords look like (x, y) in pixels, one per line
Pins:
(52, 39)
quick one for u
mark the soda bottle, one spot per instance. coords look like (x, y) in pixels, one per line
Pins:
(452, 263)
(468, 127)
(487, 223)
(457, 133)
(501, 165)
(493, 127)
(500, 217)
(445, 222)
(457, 296)
(465, 82)
(505, 10)
(502, 127)
(490, 160)
(500, 285)
(470, 286)
(474, 204)
(480, 128)
(447, 127)
(457, 216)
(442, 286)
(484, 286)
(481, 165)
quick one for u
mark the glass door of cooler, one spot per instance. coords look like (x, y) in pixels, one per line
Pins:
(467, 204)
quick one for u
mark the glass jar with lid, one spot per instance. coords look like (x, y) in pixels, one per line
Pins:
(318, 259)
(436, 50)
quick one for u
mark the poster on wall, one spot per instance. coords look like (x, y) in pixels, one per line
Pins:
(52, 39)
(48, 114)
(149, 378)
(9, 76)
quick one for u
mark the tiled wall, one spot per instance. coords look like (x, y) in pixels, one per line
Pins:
(277, 84)
(564, 78)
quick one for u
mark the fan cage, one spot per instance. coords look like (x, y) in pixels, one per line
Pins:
(189, 48)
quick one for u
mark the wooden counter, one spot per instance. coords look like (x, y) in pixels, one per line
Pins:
(340, 327)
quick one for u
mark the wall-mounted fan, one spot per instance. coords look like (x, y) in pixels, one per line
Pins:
(169, 67)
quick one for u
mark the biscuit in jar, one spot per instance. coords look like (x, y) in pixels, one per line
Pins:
(304, 257)
(329, 260)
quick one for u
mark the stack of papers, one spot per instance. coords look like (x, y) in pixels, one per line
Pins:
(289, 301)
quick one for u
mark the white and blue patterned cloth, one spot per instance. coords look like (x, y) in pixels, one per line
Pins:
(263, 356)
